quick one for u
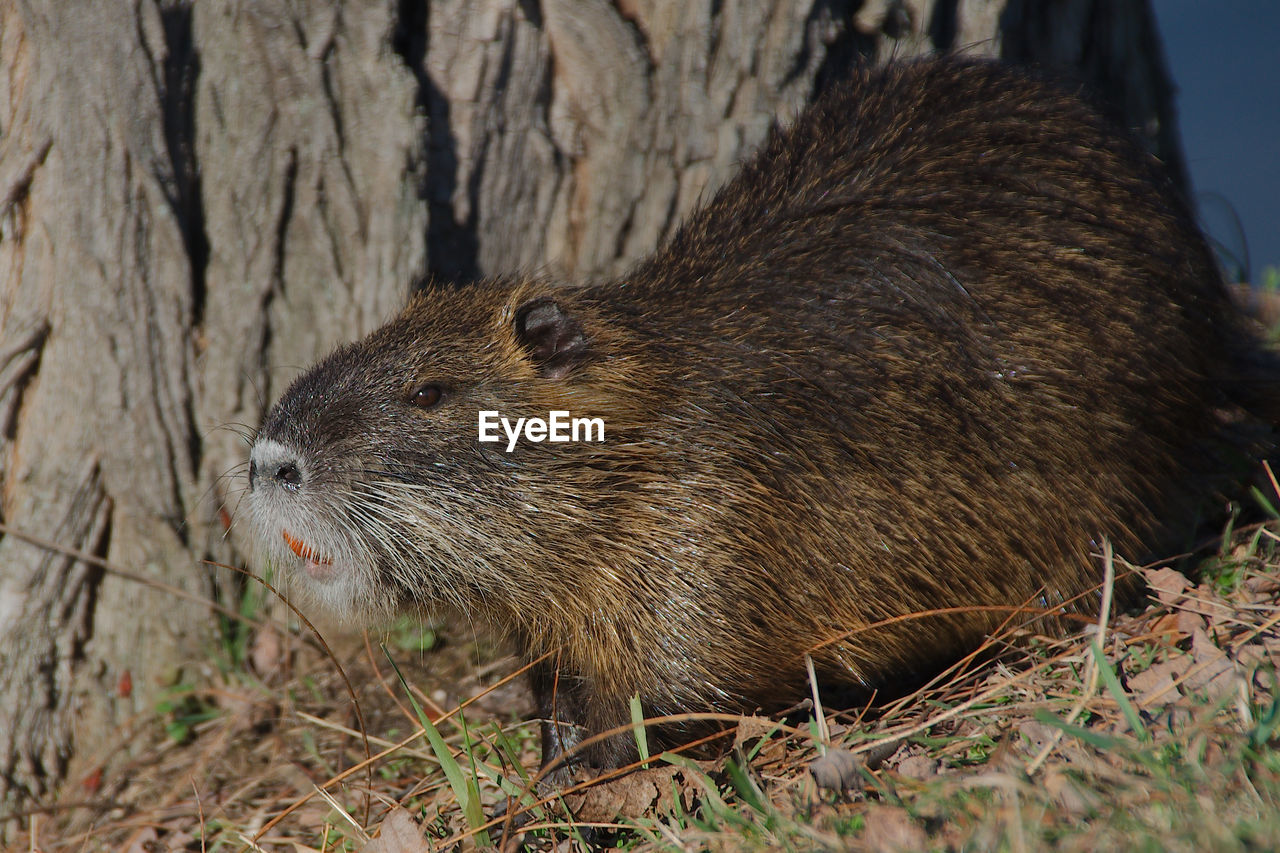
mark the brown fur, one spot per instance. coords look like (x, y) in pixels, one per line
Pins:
(931, 345)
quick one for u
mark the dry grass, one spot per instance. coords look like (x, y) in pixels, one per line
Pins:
(1156, 730)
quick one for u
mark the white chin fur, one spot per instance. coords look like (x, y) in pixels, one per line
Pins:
(342, 590)
(341, 578)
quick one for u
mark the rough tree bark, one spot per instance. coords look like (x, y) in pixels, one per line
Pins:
(197, 199)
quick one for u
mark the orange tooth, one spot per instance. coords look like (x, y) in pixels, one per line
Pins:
(300, 549)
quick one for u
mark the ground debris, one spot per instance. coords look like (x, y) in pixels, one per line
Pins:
(399, 833)
(1177, 751)
(637, 794)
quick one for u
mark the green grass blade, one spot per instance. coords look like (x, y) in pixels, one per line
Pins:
(1094, 739)
(1117, 692)
(746, 789)
(1263, 501)
(637, 721)
(465, 790)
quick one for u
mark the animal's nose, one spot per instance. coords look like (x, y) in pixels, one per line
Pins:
(288, 474)
(277, 463)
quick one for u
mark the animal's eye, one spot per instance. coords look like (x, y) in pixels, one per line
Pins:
(426, 396)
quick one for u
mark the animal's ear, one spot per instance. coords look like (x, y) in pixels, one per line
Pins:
(553, 338)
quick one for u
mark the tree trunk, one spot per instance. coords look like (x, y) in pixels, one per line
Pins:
(198, 199)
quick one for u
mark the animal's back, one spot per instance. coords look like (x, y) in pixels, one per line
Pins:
(959, 331)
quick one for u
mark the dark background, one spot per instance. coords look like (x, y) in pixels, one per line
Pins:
(1225, 61)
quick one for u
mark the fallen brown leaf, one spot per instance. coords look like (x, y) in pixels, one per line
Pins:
(1178, 625)
(1214, 671)
(1154, 686)
(637, 794)
(399, 833)
(1168, 585)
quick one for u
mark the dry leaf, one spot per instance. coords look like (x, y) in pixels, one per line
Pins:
(1178, 625)
(399, 833)
(1168, 585)
(1214, 672)
(637, 794)
(750, 730)
(1207, 602)
(1261, 587)
(1155, 686)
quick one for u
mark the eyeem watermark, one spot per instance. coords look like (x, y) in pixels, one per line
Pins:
(558, 426)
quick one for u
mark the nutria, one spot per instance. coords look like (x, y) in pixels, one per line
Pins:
(931, 345)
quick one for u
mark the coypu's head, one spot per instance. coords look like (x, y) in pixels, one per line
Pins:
(368, 482)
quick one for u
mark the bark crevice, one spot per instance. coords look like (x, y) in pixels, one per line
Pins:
(16, 174)
(453, 248)
(19, 362)
(181, 74)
